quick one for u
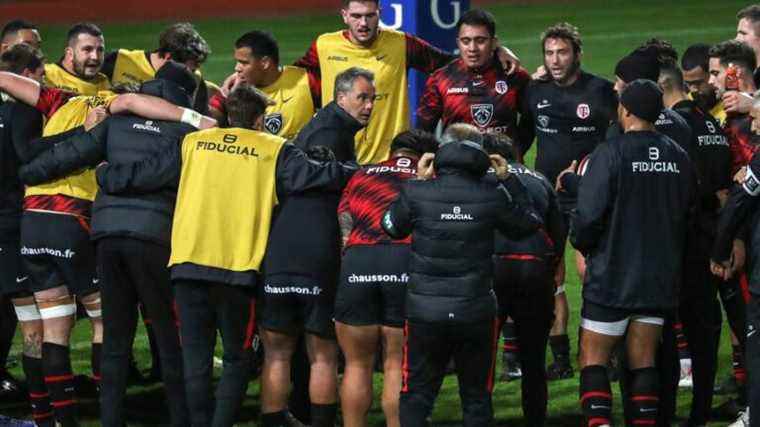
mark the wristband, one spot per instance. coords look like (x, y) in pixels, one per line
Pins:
(751, 183)
(191, 117)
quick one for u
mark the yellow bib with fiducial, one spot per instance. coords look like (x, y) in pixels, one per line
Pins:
(293, 107)
(387, 59)
(73, 113)
(226, 196)
(57, 76)
(132, 66)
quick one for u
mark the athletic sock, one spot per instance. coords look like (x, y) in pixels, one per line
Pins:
(324, 415)
(644, 397)
(274, 419)
(560, 345)
(39, 398)
(60, 382)
(681, 342)
(95, 360)
(596, 396)
(740, 372)
(511, 346)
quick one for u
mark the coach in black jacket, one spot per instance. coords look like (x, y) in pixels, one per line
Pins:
(450, 303)
(132, 233)
(630, 223)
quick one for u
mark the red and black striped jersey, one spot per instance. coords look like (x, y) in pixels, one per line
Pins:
(741, 141)
(368, 195)
(51, 99)
(488, 98)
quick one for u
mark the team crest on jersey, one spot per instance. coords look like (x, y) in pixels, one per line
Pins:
(273, 123)
(481, 114)
(543, 121)
(501, 87)
(583, 111)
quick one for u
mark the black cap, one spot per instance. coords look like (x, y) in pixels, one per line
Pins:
(638, 65)
(643, 99)
(179, 74)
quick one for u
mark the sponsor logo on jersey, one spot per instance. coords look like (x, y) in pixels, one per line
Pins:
(457, 90)
(501, 87)
(456, 215)
(240, 150)
(273, 123)
(583, 111)
(478, 83)
(403, 162)
(543, 104)
(337, 58)
(655, 165)
(584, 128)
(148, 126)
(481, 114)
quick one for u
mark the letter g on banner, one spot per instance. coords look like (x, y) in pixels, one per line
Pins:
(435, 13)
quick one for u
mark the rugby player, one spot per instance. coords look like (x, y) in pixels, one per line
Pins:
(450, 305)
(474, 89)
(570, 110)
(388, 54)
(294, 90)
(643, 168)
(78, 70)
(369, 302)
(695, 65)
(19, 31)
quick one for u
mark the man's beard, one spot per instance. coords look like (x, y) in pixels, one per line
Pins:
(80, 68)
(704, 101)
(574, 67)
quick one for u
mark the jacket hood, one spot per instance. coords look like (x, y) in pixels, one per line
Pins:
(167, 90)
(462, 156)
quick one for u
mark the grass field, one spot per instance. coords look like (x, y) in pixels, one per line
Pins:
(610, 29)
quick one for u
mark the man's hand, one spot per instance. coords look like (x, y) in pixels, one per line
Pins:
(95, 116)
(425, 166)
(540, 74)
(720, 269)
(573, 168)
(230, 83)
(207, 123)
(740, 175)
(500, 165)
(509, 61)
(737, 102)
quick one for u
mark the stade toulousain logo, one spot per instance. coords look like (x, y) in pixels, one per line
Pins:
(273, 123)
(583, 111)
(501, 87)
(481, 114)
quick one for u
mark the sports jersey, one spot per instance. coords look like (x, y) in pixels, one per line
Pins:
(368, 195)
(128, 66)
(57, 76)
(569, 121)
(72, 194)
(389, 56)
(741, 140)
(295, 102)
(488, 98)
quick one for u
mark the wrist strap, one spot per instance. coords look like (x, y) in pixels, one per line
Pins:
(191, 117)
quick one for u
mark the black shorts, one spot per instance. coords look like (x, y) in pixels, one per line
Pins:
(523, 285)
(13, 281)
(295, 304)
(614, 321)
(372, 286)
(56, 250)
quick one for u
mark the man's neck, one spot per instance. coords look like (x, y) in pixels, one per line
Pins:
(156, 61)
(671, 98)
(69, 67)
(403, 152)
(747, 84)
(640, 126)
(570, 80)
(270, 77)
(367, 44)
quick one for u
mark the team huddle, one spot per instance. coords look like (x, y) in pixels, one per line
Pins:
(295, 206)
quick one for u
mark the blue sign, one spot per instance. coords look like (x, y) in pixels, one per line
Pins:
(433, 21)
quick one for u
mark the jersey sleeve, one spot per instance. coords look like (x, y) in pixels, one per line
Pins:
(109, 64)
(26, 127)
(594, 199)
(424, 57)
(310, 60)
(217, 103)
(430, 108)
(51, 99)
(315, 87)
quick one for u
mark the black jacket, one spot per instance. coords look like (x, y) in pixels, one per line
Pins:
(634, 204)
(452, 219)
(305, 236)
(19, 125)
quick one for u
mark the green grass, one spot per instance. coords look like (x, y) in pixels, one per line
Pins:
(610, 29)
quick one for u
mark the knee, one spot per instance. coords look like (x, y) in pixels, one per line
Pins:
(92, 305)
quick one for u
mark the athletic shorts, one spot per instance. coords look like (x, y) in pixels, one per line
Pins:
(372, 285)
(614, 321)
(518, 277)
(56, 250)
(294, 304)
(13, 281)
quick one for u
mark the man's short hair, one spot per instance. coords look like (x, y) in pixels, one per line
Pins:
(21, 57)
(461, 132)
(663, 50)
(245, 105)
(751, 13)
(478, 18)
(671, 77)
(82, 28)
(183, 43)
(735, 52)
(261, 43)
(344, 81)
(501, 144)
(564, 31)
(415, 140)
(345, 3)
(15, 26)
(696, 55)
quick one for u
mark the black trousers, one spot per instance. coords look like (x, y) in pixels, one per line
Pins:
(133, 271)
(203, 308)
(8, 324)
(525, 291)
(701, 317)
(753, 359)
(428, 347)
